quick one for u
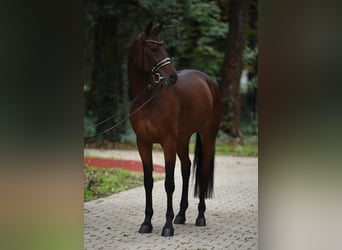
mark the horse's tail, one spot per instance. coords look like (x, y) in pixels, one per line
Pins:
(207, 183)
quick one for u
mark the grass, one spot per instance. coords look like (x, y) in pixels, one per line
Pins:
(224, 148)
(101, 182)
(247, 146)
(237, 149)
(232, 149)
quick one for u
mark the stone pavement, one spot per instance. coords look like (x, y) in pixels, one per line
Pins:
(232, 214)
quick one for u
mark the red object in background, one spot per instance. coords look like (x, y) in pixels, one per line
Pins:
(124, 164)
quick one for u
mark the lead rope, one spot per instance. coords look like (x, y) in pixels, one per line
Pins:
(131, 114)
(135, 111)
(146, 89)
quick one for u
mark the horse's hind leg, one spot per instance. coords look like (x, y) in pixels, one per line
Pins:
(170, 148)
(205, 175)
(145, 151)
(183, 154)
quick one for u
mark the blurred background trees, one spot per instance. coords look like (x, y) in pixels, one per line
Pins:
(218, 37)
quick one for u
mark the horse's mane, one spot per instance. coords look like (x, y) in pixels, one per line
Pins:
(133, 50)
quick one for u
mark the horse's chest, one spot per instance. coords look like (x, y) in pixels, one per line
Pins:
(156, 121)
(147, 129)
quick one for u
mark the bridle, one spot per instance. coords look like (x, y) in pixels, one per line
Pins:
(156, 76)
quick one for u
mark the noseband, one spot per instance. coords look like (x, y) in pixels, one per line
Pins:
(156, 76)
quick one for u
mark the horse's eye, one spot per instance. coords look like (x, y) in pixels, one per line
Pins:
(155, 49)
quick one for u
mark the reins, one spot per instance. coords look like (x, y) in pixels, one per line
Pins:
(146, 89)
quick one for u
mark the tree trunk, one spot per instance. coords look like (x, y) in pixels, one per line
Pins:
(231, 74)
(106, 76)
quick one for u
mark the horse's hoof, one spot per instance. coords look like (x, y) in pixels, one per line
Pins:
(145, 229)
(167, 232)
(179, 220)
(200, 222)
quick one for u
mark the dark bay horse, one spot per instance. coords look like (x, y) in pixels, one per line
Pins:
(173, 106)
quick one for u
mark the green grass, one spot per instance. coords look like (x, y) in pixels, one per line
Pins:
(224, 148)
(232, 149)
(242, 149)
(101, 182)
(245, 147)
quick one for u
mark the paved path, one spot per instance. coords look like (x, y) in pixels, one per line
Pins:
(232, 215)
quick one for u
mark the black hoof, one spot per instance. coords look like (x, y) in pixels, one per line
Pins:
(145, 229)
(179, 220)
(200, 222)
(167, 232)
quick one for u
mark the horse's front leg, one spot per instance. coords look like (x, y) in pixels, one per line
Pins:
(145, 151)
(170, 159)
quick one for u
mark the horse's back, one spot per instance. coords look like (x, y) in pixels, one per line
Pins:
(194, 84)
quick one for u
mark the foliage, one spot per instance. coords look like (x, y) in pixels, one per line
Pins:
(196, 36)
(89, 129)
(250, 59)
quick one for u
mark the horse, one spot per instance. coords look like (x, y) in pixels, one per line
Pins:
(169, 107)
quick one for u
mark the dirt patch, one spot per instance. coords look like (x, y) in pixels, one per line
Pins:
(124, 164)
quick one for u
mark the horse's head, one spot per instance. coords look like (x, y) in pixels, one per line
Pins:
(154, 58)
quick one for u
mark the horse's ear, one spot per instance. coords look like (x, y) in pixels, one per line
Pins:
(158, 29)
(148, 28)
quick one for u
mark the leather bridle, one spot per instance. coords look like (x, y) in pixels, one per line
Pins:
(156, 76)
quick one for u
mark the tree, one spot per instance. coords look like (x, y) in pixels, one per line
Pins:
(197, 36)
(232, 67)
(107, 36)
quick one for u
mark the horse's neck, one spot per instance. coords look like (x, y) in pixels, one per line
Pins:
(138, 81)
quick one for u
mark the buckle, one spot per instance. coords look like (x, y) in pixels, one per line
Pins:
(157, 77)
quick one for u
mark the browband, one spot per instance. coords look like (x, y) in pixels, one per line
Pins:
(154, 41)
